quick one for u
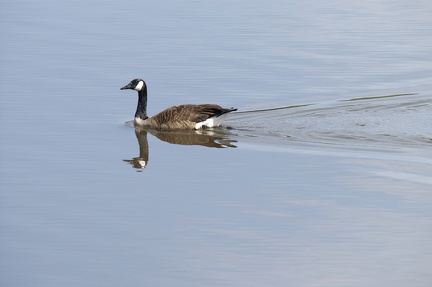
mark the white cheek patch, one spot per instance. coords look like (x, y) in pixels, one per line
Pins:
(139, 86)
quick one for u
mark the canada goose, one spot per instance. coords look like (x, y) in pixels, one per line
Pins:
(190, 117)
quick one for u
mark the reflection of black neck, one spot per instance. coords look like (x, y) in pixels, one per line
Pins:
(141, 135)
(141, 111)
(141, 161)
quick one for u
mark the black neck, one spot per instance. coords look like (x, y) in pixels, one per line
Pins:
(141, 111)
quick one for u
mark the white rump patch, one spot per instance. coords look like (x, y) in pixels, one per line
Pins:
(139, 86)
(211, 122)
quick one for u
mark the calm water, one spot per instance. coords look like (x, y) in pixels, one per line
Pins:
(323, 177)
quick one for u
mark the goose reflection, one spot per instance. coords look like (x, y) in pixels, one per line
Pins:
(214, 138)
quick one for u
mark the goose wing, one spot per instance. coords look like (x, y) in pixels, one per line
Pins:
(190, 113)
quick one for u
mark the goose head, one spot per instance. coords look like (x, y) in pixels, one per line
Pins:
(136, 84)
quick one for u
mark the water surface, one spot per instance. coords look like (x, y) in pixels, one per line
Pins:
(321, 179)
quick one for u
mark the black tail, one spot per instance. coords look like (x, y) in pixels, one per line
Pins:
(224, 111)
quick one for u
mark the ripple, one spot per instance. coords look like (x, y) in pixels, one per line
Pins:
(389, 121)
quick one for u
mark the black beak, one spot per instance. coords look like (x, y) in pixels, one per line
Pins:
(126, 87)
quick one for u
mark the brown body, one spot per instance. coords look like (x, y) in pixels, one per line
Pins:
(183, 117)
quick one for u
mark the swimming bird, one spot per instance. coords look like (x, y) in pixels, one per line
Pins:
(186, 117)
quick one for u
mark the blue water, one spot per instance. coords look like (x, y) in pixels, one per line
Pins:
(321, 179)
